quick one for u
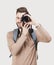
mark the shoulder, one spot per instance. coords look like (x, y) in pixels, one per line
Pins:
(9, 34)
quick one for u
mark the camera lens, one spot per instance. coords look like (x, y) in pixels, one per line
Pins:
(25, 19)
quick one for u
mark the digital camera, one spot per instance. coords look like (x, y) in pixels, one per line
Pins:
(25, 19)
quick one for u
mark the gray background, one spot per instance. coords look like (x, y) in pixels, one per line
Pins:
(42, 11)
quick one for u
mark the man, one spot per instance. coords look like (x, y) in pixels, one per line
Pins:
(23, 51)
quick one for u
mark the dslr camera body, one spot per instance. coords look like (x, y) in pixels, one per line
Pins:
(25, 19)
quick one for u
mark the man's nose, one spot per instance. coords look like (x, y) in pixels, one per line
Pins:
(19, 21)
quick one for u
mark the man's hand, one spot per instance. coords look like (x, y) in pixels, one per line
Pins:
(32, 22)
(25, 29)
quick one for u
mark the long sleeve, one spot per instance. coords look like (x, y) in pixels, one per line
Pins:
(15, 47)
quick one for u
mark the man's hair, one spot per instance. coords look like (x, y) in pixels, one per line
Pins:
(22, 9)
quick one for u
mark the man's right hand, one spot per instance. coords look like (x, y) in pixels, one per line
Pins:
(25, 29)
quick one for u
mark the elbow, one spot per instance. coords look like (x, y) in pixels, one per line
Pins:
(49, 39)
(14, 53)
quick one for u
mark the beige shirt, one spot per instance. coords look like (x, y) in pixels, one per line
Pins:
(26, 55)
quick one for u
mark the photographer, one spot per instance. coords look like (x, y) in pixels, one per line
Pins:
(23, 49)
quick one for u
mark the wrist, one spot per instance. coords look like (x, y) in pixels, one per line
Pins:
(37, 25)
(23, 34)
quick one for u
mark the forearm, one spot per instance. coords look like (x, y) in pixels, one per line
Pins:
(18, 45)
(15, 47)
(44, 35)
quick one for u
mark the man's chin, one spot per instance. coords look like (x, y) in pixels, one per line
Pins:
(19, 26)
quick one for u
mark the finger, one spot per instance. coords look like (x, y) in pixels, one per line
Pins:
(26, 25)
(29, 27)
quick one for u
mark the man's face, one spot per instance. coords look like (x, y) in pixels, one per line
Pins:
(18, 19)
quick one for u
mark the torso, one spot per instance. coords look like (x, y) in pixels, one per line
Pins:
(27, 54)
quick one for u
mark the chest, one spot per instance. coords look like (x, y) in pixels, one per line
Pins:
(29, 42)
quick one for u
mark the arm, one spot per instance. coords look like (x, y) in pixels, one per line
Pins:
(42, 34)
(15, 47)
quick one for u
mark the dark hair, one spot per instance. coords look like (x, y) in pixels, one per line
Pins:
(21, 10)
